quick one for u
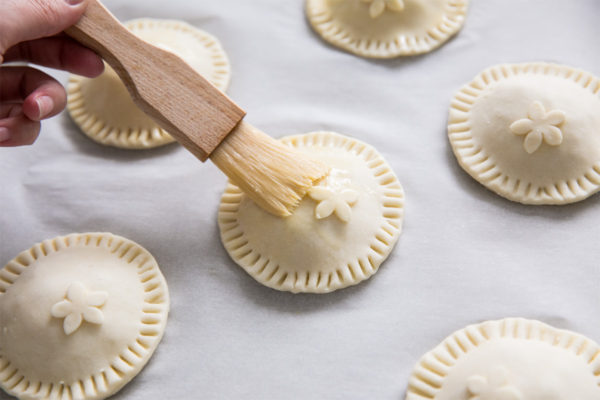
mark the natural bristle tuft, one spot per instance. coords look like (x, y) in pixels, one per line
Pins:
(273, 175)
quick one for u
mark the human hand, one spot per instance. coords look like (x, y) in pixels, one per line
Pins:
(30, 30)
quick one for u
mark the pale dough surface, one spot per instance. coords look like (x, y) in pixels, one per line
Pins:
(408, 27)
(465, 254)
(102, 106)
(115, 291)
(510, 359)
(330, 241)
(494, 121)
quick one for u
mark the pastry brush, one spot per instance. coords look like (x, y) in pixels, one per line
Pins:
(199, 116)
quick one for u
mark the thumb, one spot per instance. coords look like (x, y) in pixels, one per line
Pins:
(24, 20)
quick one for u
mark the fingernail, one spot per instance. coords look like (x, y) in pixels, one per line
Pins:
(4, 135)
(45, 106)
(74, 2)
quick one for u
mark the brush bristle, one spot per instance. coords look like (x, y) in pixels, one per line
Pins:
(272, 174)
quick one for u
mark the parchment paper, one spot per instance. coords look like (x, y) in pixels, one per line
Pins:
(465, 254)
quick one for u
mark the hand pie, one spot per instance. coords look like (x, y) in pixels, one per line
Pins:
(530, 132)
(80, 316)
(340, 233)
(386, 28)
(102, 106)
(510, 359)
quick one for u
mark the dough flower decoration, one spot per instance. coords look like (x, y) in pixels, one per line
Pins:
(80, 304)
(336, 200)
(377, 7)
(495, 387)
(540, 126)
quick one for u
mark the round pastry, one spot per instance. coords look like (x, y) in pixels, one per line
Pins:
(510, 359)
(80, 316)
(386, 28)
(102, 106)
(340, 233)
(530, 132)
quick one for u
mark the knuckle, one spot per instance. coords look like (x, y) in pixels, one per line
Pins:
(48, 11)
(52, 15)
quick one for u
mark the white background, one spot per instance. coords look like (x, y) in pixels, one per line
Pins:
(465, 254)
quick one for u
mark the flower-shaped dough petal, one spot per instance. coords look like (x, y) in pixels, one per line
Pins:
(93, 315)
(72, 322)
(395, 5)
(349, 196)
(555, 117)
(521, 126)
(324, 209)
(533, 141)
(76, 293)
(537, 111)
(343, 211)
(552, 135)
(61, 309)
(320, 193)
(476, 384)
(376, 9)
(96, 299)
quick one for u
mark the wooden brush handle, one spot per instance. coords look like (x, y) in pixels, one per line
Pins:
(191, 109)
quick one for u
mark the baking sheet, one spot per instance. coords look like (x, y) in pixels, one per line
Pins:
(465, 254)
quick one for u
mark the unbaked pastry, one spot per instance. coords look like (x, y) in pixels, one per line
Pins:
(80, 315)
(530, 132)
(102, 106)
(510, 359)
(386, 28)
(339, 234)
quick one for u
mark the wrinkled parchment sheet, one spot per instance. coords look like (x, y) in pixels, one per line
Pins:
(465, 255)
